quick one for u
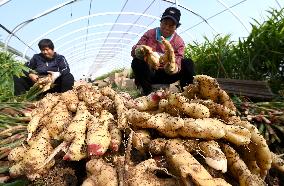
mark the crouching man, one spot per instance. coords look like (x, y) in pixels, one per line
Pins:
(158, 57)
(44, 63)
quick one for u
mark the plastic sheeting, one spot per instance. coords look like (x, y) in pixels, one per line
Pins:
(96, 36)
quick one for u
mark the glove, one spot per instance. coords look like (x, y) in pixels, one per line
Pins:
(54, 75)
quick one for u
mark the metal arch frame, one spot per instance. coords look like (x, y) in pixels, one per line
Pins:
(82, 43)
(103, 52)
(112, 66)
(191, 11)
(97, 25)
(98, 59)
(70, 58)
(93, 48)
(176, 3)
(48, 11)
(3, 2)
(234, 14)
(111, 62)
(81, 37)
(90, 57)
(97, 33)
(131, 33)
(278, 4)
(98, 39)
(86, 17)
(70, 53)
(21, 25)
(78, 47)
(74, 60)
(210, 17)
(93, 69)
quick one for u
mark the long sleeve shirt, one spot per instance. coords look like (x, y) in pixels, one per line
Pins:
(41, 65)
(152, 38)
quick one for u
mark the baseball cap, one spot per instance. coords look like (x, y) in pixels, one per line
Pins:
(172, 13)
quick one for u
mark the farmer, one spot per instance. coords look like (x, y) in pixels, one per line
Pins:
(145, 74)
(44, 63)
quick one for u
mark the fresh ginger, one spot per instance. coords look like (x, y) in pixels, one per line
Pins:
(193, 110)
(30, 164)
(239, 169)
(17, 154)
(206, 87)
(215, 109)
(115, 135)
(169, 58)
(100, 174)
(44, 107)
(209, 128)
(76, 134)
(186, 166)
(44, 83)
(70, 98)
(98, 136)
(149, 102)
(262, 153)
(214, 156)
(119, 104)
(151, 57)
(141, 140)
(142, 174)
(206, 128)
(162, 122)
(277, 162)
(59, 119)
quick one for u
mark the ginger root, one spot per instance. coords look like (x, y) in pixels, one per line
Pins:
(186, 166)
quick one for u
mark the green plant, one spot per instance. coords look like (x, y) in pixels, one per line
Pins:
(214, 58)
(263, 50)
(9, 67)
(110, 73)
(260, 56)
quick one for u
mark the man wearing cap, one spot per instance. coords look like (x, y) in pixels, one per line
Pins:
(147, 74)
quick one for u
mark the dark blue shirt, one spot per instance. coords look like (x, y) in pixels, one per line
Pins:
(41, 64)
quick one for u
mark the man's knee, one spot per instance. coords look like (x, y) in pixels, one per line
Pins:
(187, 63)
(138, 65)
(21, 84)
(187, 66)
(67, 82)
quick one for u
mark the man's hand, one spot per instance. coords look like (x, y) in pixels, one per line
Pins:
(54, 75)
(33, 77)
(142, 51)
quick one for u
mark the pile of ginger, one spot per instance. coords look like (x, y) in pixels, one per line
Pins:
(194, 137)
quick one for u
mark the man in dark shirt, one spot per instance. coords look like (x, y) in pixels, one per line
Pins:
(44, 63)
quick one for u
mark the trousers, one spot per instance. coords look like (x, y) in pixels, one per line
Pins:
(144, 76)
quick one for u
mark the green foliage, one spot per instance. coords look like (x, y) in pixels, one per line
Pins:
(264, 48)
(258, 57)
(212, 57)
(21, 182)
(9, 67)
(110, 73)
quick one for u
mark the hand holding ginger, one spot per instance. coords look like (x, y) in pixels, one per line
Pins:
(152, 58)
(169, 57)
(33, 77)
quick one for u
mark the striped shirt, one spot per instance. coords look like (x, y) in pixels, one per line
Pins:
(152, 38)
